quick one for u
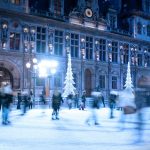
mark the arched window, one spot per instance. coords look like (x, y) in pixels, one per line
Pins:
(148, 30)
(139, 28)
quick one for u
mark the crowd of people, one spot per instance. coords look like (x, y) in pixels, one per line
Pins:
(127, 101)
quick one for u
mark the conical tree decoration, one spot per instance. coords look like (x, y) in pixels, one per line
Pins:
(128, 83)
(69, 83)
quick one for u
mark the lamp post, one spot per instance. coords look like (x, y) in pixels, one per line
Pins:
(32, 67)
(96, 62)
(109, 64)
(47, 68)
(121, 63)
(29, 50)
(134, 62)
(83, 56)
(146, 58)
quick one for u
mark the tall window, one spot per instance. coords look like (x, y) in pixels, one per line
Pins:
(14, 41)
(148, 61)
(17, 2)
(147, 6)
(58, 47)
(139, 59)
(114, 82)
(148, 30)
(112, 20)
(41, 40)
(139, 28)
(102, 81)
(126, 54)
(57, 7)
(74, 45)
(57, 80)
(115, 52)
(89, 48)
(102, 52)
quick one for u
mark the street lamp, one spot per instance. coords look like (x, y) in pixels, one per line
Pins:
(121, 64)
(134, 61)
(47, 68)
(29, 50)
(109, 64)
(96, 61)
(83, 57)
(32, 67)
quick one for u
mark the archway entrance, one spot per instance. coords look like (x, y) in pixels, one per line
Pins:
(5, 77)
(88, 82)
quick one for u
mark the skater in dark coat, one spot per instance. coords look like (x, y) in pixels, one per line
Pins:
(56, 102)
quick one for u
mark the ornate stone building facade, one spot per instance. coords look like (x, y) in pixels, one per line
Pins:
(101, 42)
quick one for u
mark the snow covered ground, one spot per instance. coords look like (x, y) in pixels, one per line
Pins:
(36, 131)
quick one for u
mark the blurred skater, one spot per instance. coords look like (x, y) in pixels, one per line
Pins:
(19, 97)
(126, 101)
(56, 102)
(112, 102)
(7, 99)
(83, 101)
(70, 100)
(140, 101)
(94, 106)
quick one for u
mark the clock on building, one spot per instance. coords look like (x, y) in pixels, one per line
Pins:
(88, 12)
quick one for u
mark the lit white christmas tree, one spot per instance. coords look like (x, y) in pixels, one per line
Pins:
(127, 95)
(128, 83)
(69, 83)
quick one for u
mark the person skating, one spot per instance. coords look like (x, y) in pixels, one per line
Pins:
(7, 99)
(83, 101)
(95, 104)
(56, 102)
